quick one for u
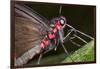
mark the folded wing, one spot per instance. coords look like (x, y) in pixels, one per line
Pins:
(30, 28)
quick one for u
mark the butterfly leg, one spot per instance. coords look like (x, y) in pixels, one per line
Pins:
(64, 49)
(57, 40)
(67, 52)
(39, 59)
(78, 45)
(80, 39)
(61, 41)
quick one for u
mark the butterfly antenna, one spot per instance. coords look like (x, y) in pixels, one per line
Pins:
(60, 9)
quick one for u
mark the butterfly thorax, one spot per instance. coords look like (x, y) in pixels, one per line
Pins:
(51, 36)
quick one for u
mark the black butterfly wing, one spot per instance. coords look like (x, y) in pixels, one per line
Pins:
(30, 28)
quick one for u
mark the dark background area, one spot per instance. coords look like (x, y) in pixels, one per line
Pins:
(80, 17)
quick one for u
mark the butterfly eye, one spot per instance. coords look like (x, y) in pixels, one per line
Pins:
(62, 21)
